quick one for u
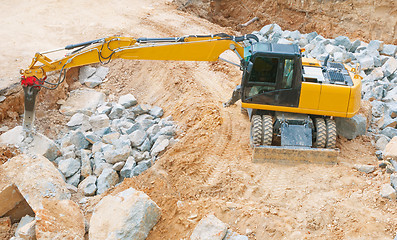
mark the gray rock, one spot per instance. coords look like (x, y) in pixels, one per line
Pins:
(138, 156)
(26, 220)
(159, 146)
(83, 101)
(350, 128)
(97, 147)
(104, 109)
(76, 120)
(108, 138)
(391, 96)
(141, 167)
(378, 108)
(126, 171)
(230, 235)
(88, 186)
(376, 74)
(381, 143)
(106, 180)
(117, 111)
(268, 29)
(389, 50)
(389, 67)
(209, 227)
(86, 72)
(74, 180)
(127, 100)
(128, 127)
(138, 110)
(134, 212)
(311, 36)
(92, 137)
(295, 35)
(389, 132)
(343, 41)
(366, 62)
(103, 131)
(146, 123)
(355, 45)
(101, 72)
(365, 168)
(116, 155)
(375, 45)
(153, 130)
(69, 166)
(392, 109)
(137, 137)
(146, 146)
(100, 166)
(86, 169)
(99, 121)
(156, 112)
(93, 81)
(379, 155)
(388, 191)
(393, 180)
(77, 138)
(118, 166)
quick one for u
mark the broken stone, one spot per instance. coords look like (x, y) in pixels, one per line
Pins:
(350, 128)
(146, 146)
(366, 62)
(108, 138)
(126, 171)
(101, 72)
(159, 146)
(86, 72)
(35, 144)
(99, 121)
(156, 112)
(114, 155)
(69, 166)
(74, 180)
(390, 151)
(59, 219)
(107, 179)
(78, 139)
(343, 41)
(393, 180)
(93, 81)
(389, 50)
(381, 143)
(129, 214)
(118, 166)
(365, 168)
(230, 235)
(354, 46)
(82, 100)
(88, 186)
(76, 120)
(104, 109)
(26, 228)
(117, 112)
(388, 191)
(389, 67)
(141, 167)
(209, 227)
(36, 178)
(137, 137)
(375, 45)
(389, 132)
(127, 100)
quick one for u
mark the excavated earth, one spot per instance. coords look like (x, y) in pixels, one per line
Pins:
(210, 170)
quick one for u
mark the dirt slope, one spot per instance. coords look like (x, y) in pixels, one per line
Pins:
(210, 170)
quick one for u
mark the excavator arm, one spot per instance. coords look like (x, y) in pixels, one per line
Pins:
(188, 48)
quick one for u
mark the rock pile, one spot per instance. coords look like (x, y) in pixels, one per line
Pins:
(379, 71)
(118, 140)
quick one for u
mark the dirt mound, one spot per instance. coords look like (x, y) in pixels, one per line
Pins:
(356, 19)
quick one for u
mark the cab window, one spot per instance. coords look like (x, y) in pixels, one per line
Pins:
(288, 74)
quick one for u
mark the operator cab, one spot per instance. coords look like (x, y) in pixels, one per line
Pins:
(272, 74)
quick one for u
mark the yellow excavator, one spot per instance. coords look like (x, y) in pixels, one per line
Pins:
(291, 100)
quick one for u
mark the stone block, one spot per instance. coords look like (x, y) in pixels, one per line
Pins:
(106, 180)
(127, 100)
(390, 151)
(350, 128)
(209, 227)
(83, 101)
(129, 214)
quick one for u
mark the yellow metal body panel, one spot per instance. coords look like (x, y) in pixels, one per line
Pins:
(310, 62)
(334, 98)
(310, 95)
(192, 49)
(355, 96)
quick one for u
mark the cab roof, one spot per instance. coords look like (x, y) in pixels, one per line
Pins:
(273, 48)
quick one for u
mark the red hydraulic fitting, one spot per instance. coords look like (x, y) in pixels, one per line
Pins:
(31, 81)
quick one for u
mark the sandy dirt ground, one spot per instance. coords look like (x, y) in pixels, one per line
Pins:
(209, 170)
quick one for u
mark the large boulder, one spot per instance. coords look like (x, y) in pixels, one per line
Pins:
(350, 128)
(82, 101)
(59, 219)
(36, 178)
(34, 143)
(130, 214)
